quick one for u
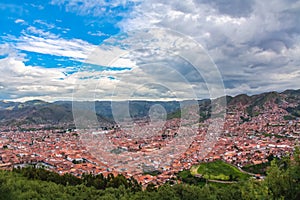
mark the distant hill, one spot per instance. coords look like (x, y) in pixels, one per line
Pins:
(38, 112)
(34, 112)
(60, 112)
(288, 100)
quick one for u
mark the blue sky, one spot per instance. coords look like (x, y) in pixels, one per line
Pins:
(48, 20)
(50, 48)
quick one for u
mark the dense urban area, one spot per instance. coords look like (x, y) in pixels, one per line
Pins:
(245, 139)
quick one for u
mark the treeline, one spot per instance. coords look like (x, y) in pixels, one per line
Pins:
(282, 182)
(99, 181)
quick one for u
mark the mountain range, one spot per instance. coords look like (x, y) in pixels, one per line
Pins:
(60, 112)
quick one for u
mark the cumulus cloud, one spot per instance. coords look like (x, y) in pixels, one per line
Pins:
(159, 58)
(20, 81)
(251, 42)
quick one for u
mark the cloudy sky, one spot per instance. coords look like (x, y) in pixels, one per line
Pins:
(118, 49)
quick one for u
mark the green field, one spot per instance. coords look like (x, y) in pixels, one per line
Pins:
(219, 170)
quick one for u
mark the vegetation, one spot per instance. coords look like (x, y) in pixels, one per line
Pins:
(186, 177)
(289, 117)
(96, 181)
(175, 114)
(257, 169)
(294, 111)
(282, 182)
(245, 119)
(219, 170)
(153, 173)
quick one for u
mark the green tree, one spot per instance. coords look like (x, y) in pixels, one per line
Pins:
(150, 187)
(253, 189)
(166, 192)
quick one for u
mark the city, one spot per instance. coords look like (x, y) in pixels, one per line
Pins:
(150, 99)
(241, 143)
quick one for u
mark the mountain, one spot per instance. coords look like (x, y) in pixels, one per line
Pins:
(288, 100)
(34, 112)
(61, 112)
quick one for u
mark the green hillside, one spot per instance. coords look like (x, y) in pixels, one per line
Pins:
(219, 170)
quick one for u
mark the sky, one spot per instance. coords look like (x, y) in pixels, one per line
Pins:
(155, 50)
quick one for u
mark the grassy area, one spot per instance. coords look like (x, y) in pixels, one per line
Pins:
(194, 170)
(219, 170)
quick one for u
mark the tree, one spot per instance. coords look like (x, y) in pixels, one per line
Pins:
(150, 187)
(166, 192)
(253, 189)
(282, 180)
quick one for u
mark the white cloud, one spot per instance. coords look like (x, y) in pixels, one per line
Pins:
(91, 7)
(17, 21)
(40, 32)
(38, 40)
(45, 24)
(20, 81)
(97, 33)
(48, 43)
(6, 49)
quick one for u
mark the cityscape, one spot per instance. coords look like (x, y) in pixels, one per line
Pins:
(148, 99)
(244, 140)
